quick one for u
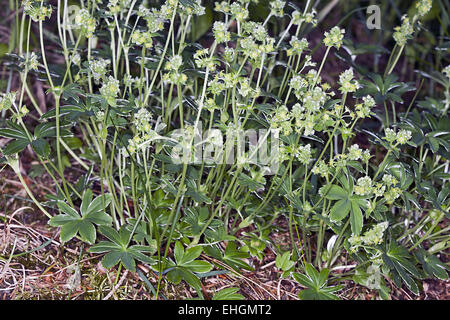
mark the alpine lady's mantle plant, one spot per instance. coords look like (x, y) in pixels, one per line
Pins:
(136, 72)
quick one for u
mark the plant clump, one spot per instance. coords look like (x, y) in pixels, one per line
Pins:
(194, 148)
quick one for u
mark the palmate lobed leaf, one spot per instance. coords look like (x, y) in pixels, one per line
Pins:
(435, 268)
(283, 261)
(399, 262)
(232, 256)
(316, 284)
(116, 254)
(98, 204)
(117, 250)
(347, 203)
(72, 223)
(40, 146)
(186, 266)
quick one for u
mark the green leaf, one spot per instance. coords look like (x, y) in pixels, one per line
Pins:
(64, 110)
(336, 192)
(69, 230)
(432, 265)
(228, 294)
(340, 210)
(198, 266)
(124, 235)
(316, 284)
(128, 261)
(175, 276)
(150, 248)
(86, 201)
(303, 280)
(116, 251)
(87, 231)
(323, 276)
(434, 144)
(111, 234)
(190, 255)
(103, 246)
(41, 147)
(100, 218)
(191, 279)
(312, 274)
(399, 262)
(410, 283)
(72, 223)
(178, 252)
(435, 268)
(139, 255)
(73, 142)
(356, 218)
(98, 204)
(311, 294)
(14, 131)
(59, 220)
(111, 259)
(283, 261)
(15, 146)
(68, 210)
(45, 129)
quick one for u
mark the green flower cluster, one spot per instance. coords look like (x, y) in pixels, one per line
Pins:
(7, 100)
(334, 37)
(85, 22)
(37, 10)
(371, 237)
